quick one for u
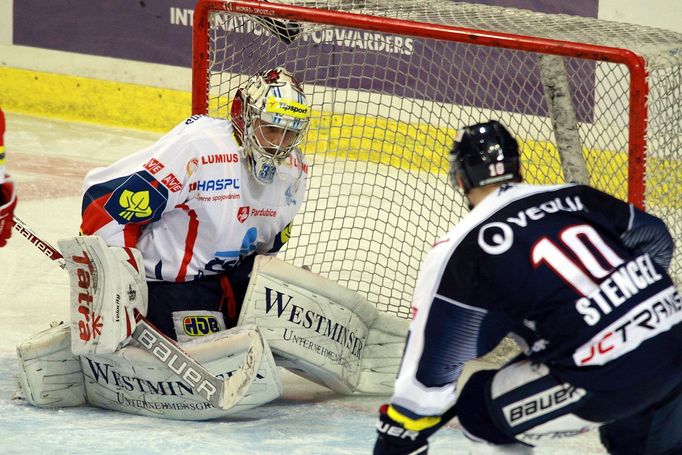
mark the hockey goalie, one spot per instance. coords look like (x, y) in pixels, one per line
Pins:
(175, 275)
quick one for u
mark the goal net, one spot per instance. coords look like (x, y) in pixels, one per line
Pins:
(391, 82)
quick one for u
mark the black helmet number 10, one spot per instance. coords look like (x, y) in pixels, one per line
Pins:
(484, 154)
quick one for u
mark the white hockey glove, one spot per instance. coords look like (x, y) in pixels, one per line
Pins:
(108, 289)
(323, 331)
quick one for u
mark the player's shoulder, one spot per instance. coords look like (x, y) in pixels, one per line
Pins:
(521, 196)
(197, 127)
(496, 208)
(201, 133)
(570, 197)
(204, 122)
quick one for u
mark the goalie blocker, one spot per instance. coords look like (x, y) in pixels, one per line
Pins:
(323, 331)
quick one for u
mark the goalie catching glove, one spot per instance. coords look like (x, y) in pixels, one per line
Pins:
(108, 290)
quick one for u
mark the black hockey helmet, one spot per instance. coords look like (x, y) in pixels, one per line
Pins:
(485, 154)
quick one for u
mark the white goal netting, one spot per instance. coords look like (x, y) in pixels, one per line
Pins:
(388, 100)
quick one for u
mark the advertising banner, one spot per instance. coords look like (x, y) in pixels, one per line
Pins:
(157, 31)
(160, 32)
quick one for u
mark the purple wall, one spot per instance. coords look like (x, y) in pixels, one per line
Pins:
(134, 30)
(142, 29)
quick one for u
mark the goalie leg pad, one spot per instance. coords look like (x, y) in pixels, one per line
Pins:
(132, 380)
(49, 374)
(382, 355)
(323, 331)
(108, 288)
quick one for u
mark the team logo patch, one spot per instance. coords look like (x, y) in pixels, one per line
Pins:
(220, 158)
(135, 200)
(198, 326)
(271, 76)
(243, 213)
(153, 166)
(226, 260)
(289, 108)
(172, 183)
(134, 205)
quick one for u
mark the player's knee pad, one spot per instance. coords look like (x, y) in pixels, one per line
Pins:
(49, 374)
(528, 402)
(520, 402)
(473, 413)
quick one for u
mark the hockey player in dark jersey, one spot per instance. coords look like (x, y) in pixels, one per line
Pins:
(579, 279)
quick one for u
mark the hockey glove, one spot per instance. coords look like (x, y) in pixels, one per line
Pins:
(8, 200)
(399, 434)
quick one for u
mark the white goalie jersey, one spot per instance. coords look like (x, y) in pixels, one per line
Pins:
(189, 204)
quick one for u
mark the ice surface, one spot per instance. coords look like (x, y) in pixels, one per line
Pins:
(48, 159)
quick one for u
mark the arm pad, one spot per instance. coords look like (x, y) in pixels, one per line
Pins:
(649, 234)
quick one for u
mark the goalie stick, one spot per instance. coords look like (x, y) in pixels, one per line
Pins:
(47, 249)
(221, 393)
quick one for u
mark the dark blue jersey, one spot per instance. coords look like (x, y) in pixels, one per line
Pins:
(576, 276)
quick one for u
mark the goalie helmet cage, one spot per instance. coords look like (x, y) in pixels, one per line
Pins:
(390, 83)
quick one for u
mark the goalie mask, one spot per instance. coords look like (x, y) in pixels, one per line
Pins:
(270, 116)
(484, 154)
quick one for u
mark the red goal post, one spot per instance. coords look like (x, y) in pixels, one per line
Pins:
(580, 102)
